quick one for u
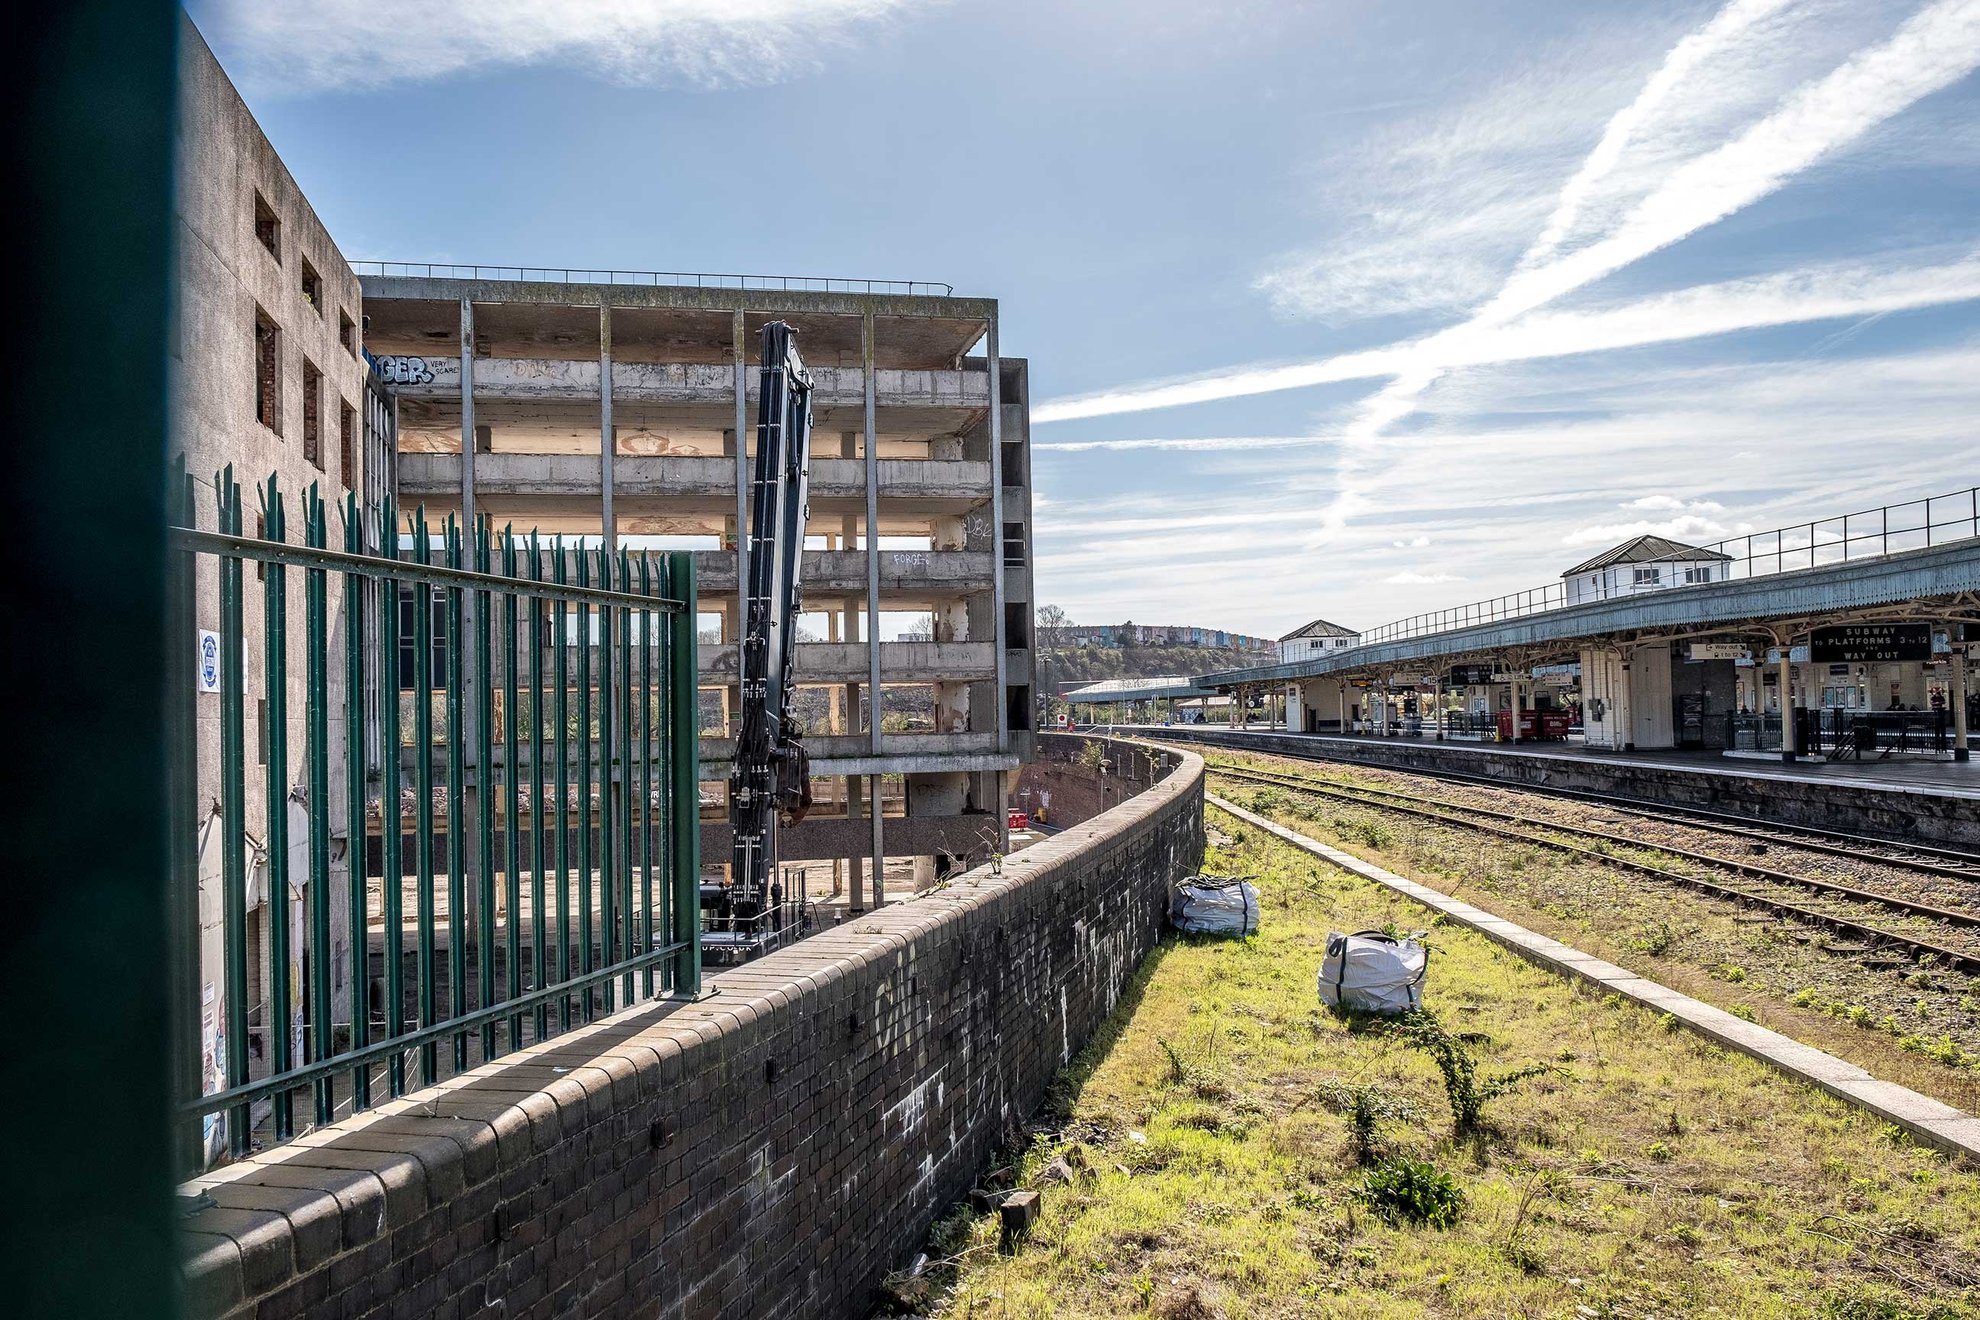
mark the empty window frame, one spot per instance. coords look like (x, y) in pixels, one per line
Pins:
(347, 332)
(267, 372)
(1014, 548)
(312, 411)
(1017, 625)
(267, 228)
(1017, 707)
(312, 287)
(347, 443)
(408, 638)
(1012, 464)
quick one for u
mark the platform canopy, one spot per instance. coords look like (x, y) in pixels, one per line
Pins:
(1174, 687)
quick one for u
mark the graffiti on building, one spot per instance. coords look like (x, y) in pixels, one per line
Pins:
(405, 371)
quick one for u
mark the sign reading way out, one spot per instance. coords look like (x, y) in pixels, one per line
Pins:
(1870, 642)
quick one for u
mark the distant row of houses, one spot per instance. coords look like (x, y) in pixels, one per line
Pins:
(1155, 634)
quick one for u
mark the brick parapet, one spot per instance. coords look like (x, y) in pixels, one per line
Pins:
(773, 1149)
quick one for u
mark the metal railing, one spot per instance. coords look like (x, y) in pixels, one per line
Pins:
(439, 270)
(1868, 534)
(565, 797)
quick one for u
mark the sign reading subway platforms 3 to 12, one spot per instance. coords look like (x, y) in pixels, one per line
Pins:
(1473, 675)
(1871, 642)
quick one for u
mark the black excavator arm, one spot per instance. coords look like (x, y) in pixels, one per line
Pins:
(771, 778)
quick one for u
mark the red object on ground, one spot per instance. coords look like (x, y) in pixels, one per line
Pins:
(1535, 725)
(1019, 820)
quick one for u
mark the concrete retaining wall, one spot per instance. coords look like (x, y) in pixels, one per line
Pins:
(1894, 811)
(772, 1150)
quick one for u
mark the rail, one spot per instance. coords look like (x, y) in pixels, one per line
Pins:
(332, 931)
(1866, 534)
(438, 270)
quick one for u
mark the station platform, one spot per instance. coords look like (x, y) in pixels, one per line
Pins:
(1925, 801)
(1919, 774)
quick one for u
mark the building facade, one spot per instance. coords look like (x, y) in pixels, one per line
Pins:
(268, 378)
(607, 406)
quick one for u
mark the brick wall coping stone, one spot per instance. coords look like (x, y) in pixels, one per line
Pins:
(298, 1228)
(1931, 1121)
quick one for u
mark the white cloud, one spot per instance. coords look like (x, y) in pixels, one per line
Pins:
(1726, 27)
(1187, 443)
(1413, 543)
(1933, 48)
(1692, 520)
(295, 47)
(1408, 578)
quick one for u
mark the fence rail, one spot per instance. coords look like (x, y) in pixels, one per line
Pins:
(563, 768)
(654, 278)
(1867, 534)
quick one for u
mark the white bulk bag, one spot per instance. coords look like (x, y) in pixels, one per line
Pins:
(1370, 972)
(1214, 905)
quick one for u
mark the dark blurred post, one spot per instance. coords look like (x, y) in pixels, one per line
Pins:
(83, 1078)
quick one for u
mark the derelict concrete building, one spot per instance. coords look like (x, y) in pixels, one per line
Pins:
(597, 404)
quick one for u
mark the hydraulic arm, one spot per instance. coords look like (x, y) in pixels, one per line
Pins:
(771, 779)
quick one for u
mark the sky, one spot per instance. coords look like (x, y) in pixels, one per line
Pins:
(1342, 310)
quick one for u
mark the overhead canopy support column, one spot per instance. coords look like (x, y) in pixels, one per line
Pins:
(1958, 694)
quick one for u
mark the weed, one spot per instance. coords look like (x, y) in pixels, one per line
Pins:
(1660, 1152)
(1731, 973)
(1178, 1066)
(1366, 1108)
(1803, 998)
(1744, 1012)
(1374, 834)
(1468, 1096)
(1406, 1191)
(1657, 939)
(1669, 1022)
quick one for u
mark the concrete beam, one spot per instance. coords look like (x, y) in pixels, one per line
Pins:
(656, 480)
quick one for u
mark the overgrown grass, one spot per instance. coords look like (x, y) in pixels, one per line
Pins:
(1240, 1152)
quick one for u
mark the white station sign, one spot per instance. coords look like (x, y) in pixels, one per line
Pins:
(1716, 651)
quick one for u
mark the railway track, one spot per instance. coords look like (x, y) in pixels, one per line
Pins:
(1506, 824)
(1950, 862)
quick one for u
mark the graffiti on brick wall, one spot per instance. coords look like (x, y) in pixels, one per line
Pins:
(405, 370)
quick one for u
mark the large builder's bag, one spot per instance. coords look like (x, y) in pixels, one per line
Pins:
(1370, 972)
(1214, 905)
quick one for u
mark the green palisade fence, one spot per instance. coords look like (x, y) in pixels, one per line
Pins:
(553, 810)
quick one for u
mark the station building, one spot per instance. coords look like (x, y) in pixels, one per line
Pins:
(1843, 638)
(1317, 638)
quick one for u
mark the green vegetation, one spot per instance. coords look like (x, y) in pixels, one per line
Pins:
(1229, 1148)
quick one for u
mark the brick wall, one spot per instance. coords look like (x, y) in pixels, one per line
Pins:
(1071, 792)
(772, 1150)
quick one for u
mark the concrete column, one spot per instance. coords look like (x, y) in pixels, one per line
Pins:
(1958, 697)
(1437, 705)
(855, 804)
(468, 437)
(872, 565)
(607, 433)
(462, 833)
(1342, 708)
(996, 531)
(739, 336)
(879, 838)
(1787, 700)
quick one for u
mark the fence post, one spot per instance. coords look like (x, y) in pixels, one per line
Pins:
(683, 771)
